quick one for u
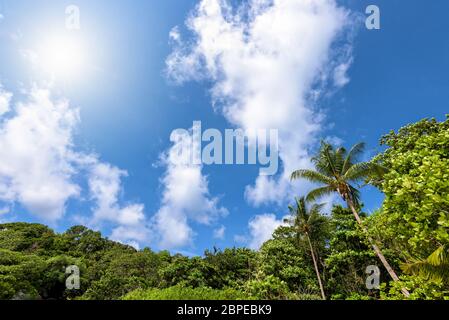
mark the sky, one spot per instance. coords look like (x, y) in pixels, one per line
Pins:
(92, 94)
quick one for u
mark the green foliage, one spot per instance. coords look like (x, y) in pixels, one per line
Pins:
(33, 260)
(434, 268)
(283, 260)
(233, 266)
(348, 257)
(125, 271)
(24, 237)
(31, 276)
(20, 274)
(186, 293)
(414, 218)
(309, 226)
(194, 272)
(269, 288)
(412, 226)
(338, 171)
(417, 186)
(307, 222)
(420, 289)
(111, 287)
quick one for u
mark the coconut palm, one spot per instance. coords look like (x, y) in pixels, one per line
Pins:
(308, 223)
(338, 171)
(435, 267)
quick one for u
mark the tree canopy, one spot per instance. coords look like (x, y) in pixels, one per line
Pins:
(315, 254)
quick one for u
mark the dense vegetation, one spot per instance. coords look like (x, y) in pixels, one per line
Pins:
(315, 255)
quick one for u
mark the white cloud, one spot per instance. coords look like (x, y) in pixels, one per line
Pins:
(36, 166)
(40, 165)
(185, 198)
(5, 100)
(219, 233)
(132, 236)
(264, 60)
(105, 187)
(340, 74)
(175, 35)
(336, 141)
(173, 228)
(261, 229)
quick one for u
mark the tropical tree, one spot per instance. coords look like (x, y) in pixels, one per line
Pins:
(338, 170)
(435, 267)
(307, 223)
(348, 256)
(416, 188)
(286, 261)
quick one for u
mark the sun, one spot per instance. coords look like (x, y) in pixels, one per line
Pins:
(62, 56)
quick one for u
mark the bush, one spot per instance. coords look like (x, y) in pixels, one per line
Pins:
(185, 293)
(269, 288)
(420, 289)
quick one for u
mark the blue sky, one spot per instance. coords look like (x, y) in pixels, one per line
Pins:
(102, 156)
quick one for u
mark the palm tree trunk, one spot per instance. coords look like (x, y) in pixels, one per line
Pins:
(316, 268)
(375, 247)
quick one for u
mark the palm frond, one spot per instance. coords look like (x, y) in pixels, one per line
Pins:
(435, 267)
(312, 176)
(427, 271)
(316, 208)
(322, 161)
(439, 256)
(315, 213)
(359, 171)
(329, 154)
(306, 219)
(339, 159)
(365, 171)
(377, 173)
(355, 151)
(320, 192)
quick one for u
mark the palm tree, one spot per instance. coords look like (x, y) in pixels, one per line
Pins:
(338, 171)
(307, 223)
(435, 267)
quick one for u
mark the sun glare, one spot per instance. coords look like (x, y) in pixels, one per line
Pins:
(62, 56)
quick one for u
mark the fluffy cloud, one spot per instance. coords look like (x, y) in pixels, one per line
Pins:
(340, 74)
(105, 187)
(219, 233)
(40, 166)
(36, 166)
(261, 229)
(264, 58)
(185, 197)
(131, 235)
(5, 100)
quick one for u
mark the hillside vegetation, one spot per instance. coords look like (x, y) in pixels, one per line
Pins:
(315, 255)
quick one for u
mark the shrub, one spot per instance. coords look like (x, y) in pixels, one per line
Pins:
(185, 293)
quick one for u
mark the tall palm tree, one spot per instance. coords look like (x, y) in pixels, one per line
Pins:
(338, 170)
(435, 267)
(307, 223)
